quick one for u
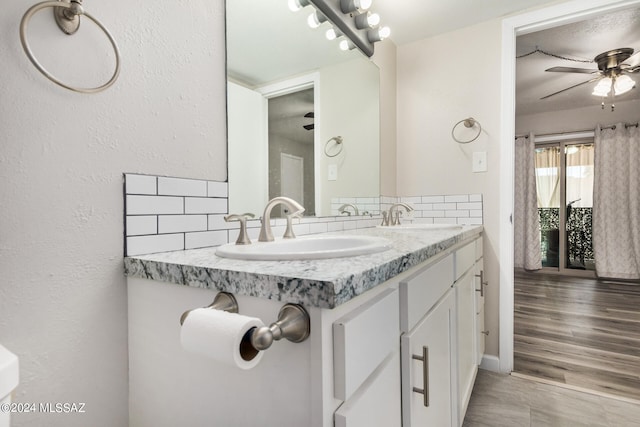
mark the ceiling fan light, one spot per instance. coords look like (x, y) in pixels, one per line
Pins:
(603, 87)
(623, 84)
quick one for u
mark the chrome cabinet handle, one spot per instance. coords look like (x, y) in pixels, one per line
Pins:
(425, 375)
(482, 283)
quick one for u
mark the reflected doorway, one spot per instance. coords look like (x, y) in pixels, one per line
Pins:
(291, 148)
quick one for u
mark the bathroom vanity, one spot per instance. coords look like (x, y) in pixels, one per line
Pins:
(396, 336)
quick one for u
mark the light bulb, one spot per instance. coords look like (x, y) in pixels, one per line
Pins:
(348, 6)
(623, 84)
(332, 34)
(379, 34)
(367, 20)
(603, 87)
(373, 19)
(346, 45)
(315, 19)
(296, 5)
(363, 4)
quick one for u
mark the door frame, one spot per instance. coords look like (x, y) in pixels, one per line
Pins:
(541, 19)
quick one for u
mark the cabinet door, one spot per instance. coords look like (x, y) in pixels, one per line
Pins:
(433, 338)
(480, 295)
(466, 332)
(377, 401)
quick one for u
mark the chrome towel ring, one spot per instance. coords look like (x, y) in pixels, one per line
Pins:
(338, 144)
(67, 15)
(468, 123)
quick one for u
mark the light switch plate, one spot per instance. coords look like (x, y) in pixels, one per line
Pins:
(479, 161)
(332, 172)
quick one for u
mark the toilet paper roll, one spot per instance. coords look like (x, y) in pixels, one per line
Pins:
(218, 334)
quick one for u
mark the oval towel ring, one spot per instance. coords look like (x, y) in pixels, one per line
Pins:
(338, 140)
(76, 9)
(468, 123)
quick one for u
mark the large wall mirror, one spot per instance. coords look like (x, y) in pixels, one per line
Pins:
(303, 115)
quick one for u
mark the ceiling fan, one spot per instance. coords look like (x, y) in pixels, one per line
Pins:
(611, 72)
(310, 126)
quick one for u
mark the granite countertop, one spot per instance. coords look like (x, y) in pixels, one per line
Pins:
(324, 283)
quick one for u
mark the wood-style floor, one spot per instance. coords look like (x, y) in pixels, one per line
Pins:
(500, 400)
(578, 332)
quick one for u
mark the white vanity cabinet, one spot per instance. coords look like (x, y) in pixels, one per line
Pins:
(466, 326)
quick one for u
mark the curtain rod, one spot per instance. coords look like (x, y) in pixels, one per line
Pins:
(626, 125)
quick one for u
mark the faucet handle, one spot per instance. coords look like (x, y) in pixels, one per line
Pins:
(288, 233)
(385, 218)
(243, 237)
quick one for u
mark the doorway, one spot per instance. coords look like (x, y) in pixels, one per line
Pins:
(564, 172)
(537, 20)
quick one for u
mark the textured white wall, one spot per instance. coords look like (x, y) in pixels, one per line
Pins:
(433, 94)
(63, 307)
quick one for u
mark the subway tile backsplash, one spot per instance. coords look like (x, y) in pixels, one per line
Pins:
(169, 214)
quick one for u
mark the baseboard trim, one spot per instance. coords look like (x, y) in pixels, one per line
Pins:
(490, 363)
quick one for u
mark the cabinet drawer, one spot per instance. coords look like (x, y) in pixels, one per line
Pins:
(465, 257)
(422, 291)
(362, 340)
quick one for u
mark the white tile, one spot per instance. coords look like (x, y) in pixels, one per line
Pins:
(350, 225)
(154, 205)
(475, 197)
(456, 214)
(423, 206)
(445, 206)
(445, 221)
(433, 214)
(335, 226)
(456, 198)
(411, 199)
(470, 221)
(424, 221)
(139, 184)
(320, 227)
(217, 189)
(181, 187)
(199, 205)
(141, 225)
(140, 245)
(206, 239)
(181, 223)
(475, 213)
(469, 206)
(300, 229)
(432, 199)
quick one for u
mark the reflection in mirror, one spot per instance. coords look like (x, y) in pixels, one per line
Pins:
(290, 91)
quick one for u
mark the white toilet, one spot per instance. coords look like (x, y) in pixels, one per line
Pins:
(8, 382)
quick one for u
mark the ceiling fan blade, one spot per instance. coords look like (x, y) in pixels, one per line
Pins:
(633, 60)
(309, 115)
(571, 70)
(571, 87)
(630, 70)
(309, 127)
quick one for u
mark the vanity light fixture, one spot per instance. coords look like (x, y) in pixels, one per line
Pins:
(348, 6)
(367, 20)
(296, 5)
(316, 19)
(378, 34)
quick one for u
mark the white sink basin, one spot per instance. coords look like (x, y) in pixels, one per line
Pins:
(422, 227)
(312, 247)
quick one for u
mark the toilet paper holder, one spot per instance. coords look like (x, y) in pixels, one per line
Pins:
(293, 324)
(223, 301)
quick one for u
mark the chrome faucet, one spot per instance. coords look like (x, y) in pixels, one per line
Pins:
(343, 209)
(265, 231)
(395, 220)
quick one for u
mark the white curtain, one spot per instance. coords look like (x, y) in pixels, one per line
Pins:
(616, 207)
(526, 225)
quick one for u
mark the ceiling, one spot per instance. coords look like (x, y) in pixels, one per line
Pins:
(412, 20)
